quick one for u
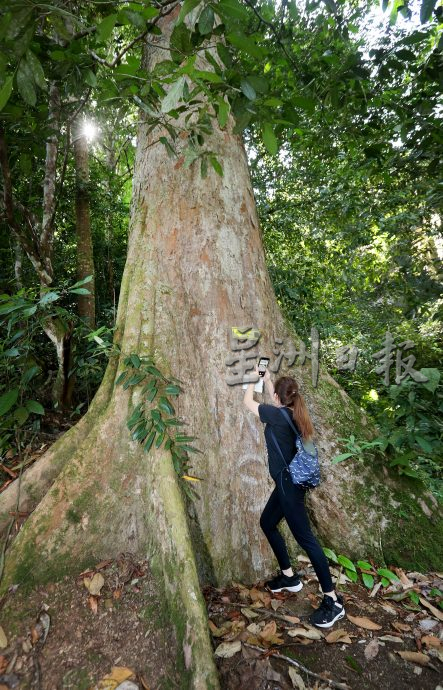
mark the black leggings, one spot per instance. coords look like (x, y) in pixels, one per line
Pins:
(288, 501)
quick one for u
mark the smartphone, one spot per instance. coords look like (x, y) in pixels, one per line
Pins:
(262, 365)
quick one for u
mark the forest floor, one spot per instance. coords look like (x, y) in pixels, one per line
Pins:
(102, 630)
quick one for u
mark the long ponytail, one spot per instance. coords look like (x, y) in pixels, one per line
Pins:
(288, 391)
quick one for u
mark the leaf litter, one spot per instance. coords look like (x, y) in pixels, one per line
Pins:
(361, 650)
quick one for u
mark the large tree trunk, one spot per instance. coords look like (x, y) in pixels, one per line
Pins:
(195, 268)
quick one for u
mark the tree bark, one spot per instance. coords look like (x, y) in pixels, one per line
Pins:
(195, 268)
(85, 250)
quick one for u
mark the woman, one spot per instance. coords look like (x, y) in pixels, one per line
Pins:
(287, 499)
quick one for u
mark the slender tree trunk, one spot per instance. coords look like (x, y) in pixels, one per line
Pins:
(195, 268)
(85, 251)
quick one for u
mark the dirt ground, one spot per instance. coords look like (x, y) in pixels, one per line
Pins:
(102, 630)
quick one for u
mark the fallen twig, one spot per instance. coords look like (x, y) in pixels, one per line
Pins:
(297, 664)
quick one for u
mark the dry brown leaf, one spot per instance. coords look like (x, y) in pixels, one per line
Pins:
(4, 662)
(292, 619)
(144, 683)
(338, 636)
(375, 589)
(311, 634)
(431, 641)
(404, 579)
(227, 649)
(435, 612)
(235, 628)
(415, 657)
(391, 638)
(372, 649)
(296, 679)
(95, 584)
(269, 630)
(3, 639)
(253, 628)
(401, 627)
(249, 613)
(389, 609)
(117, 593)
(93, 604)
(118, 675)
(275, 603)
(363, 622)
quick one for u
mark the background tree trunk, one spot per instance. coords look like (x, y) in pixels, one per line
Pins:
(85, 250)
(195, 268)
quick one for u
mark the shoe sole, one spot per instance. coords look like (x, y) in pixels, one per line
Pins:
(294, 588)
(340, 614)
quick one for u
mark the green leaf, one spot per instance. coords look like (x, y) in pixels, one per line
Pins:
(232, 8)
(330, 554)
(82, 282)
(269, 138)
(166, 406)
(364, 564)
(7, 400)
(307, 104)
(248, 89)
(25, 83)
(351, 574)
(104, 29)
(206, 20)
(35, 406)
(426, 9)
(29, 374)
(385, 582)
(223, 109)
(341, 457)
(186, 8)
(174, 95)
(5, 92)
(159, 440)
(434, 378)
(414, 596)
(346, 563)
(245, 43)
(49, 297)
(149, 441)
(135, 361)
(172, 390)
(80, 291)
(180, 42)
(368, 580)
(207, 75)
(388, 574)
(216, 165)
(121, 378)
(21, 414)
(424, 444)
(37, 70)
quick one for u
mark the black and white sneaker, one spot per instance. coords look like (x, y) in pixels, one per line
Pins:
(328, 612)
(290, 583)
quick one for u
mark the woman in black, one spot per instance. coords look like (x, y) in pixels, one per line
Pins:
(287, 499)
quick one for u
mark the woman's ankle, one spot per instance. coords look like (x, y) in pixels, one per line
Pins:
(288, 572)
(332, 594)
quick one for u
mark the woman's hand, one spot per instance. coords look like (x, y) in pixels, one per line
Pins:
(267, 376)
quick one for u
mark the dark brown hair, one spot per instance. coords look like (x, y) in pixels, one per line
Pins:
(288, 391)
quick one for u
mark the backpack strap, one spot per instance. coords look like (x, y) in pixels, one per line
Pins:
(277, 446)
(288, 417)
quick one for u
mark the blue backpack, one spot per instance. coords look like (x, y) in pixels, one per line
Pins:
(304, 467)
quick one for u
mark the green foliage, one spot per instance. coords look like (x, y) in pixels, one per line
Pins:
(157, 425)
(370, 574)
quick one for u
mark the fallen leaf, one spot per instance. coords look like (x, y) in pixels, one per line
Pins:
(431, 641)
(338, 636)
(227, 649)
(375, 589)
(3, 639)
(303, 559)
(372, 649)
(253, 628)
(297, 680)
(292, 619)
(437, 652)
(401, 627)
(93, 604)
(364, 622)
(236, 627)
(215, 631)
(117, 593)
(269, 630)
(4, 662)
(95, 584)
(391, 638)
(311, 634)
(435, 612)
(403, 577)
(389, 609)
(117, 676)
(415, 657)
(275, 603)
(249, 613)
